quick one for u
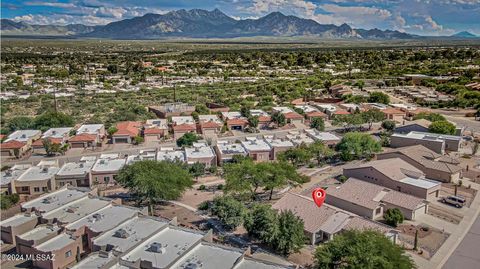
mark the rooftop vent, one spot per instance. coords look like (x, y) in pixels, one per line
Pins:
(81, 165)
(157, 248)
(45, 169)
(121, 233)
(97, 217)
(49, 200)
(24, 136)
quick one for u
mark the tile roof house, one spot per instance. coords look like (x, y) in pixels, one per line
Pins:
(435, 166)
(209, 125)
(19, 143)
(55, 135)
(395, 174)
(88, 135)
(394, 114)
(182, 125)
(155, 129)
(323, 223)
(126, 132)
(420, 125)
(371, 201)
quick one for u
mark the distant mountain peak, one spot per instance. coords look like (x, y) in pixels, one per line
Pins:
(200, 23)
(464, 34)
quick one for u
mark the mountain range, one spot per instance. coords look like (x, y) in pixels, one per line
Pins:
(198, 23)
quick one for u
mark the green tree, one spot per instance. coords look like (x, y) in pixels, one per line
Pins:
(277, 174)
(197, 169)
(393, 216)
(51, 148)
(8, 200)
(297, 156)
(388, 125)
(372, 115)
(52, 119)
(349, 122)
(138, 140)
(279, 118)
(242, 178)
(261, 222)
(360, 84)
(356, 145)
(253, 121)
(320, 151)
(318, 123)
(442, 127)
(379, 97)
(112, 130)
(19, 123)
(290, 237)
(229, 210)
(430, 116)
(153, 180)
(355, 249)
(187, 139)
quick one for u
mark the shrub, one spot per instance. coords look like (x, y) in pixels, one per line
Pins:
(393, 216)
(202, 187)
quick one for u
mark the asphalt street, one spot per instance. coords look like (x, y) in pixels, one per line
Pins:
(467, 254)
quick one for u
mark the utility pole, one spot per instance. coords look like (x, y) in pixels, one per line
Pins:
(174, 93)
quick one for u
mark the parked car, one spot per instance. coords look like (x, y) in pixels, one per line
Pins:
(456, 201)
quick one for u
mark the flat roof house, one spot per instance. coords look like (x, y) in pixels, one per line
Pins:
(371, 201)
(36, 180)
(128, 234)
(225, 151)
(435, 166)
(278, 145)
(27, 241)
(439, 143)
(104, 171)
(100, 221)
(8, 177)
(201, 153)
(75, 210)
(395, 174)
(162, 249)
(126, 132)
(323, 223)
(75, 174)
(258, 149)
(327, 138)
(170, 154)
(54, 200)
(16, 225)
(66, 249)
(299, 138)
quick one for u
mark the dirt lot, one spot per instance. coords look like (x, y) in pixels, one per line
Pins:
(185, 217)
(429, 239)
(440, 213)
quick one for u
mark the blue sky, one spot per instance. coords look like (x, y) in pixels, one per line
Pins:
(426, 17)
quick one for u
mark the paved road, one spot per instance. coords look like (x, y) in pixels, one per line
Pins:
(467, 254)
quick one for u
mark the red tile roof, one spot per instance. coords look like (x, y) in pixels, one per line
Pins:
(153, 131)
(298, 101)
(39, 142)
(209, 124)
(184, 127)
(12, 144)
(130, 128)
(264, 119)
(318, 114)
(293, 115)
(392, 111)
(237, 122)
(341, 112)
(83, 138)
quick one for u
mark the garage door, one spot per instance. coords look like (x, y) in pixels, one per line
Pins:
(121, 140)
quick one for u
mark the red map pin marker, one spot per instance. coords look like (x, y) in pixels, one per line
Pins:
(318, 195)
